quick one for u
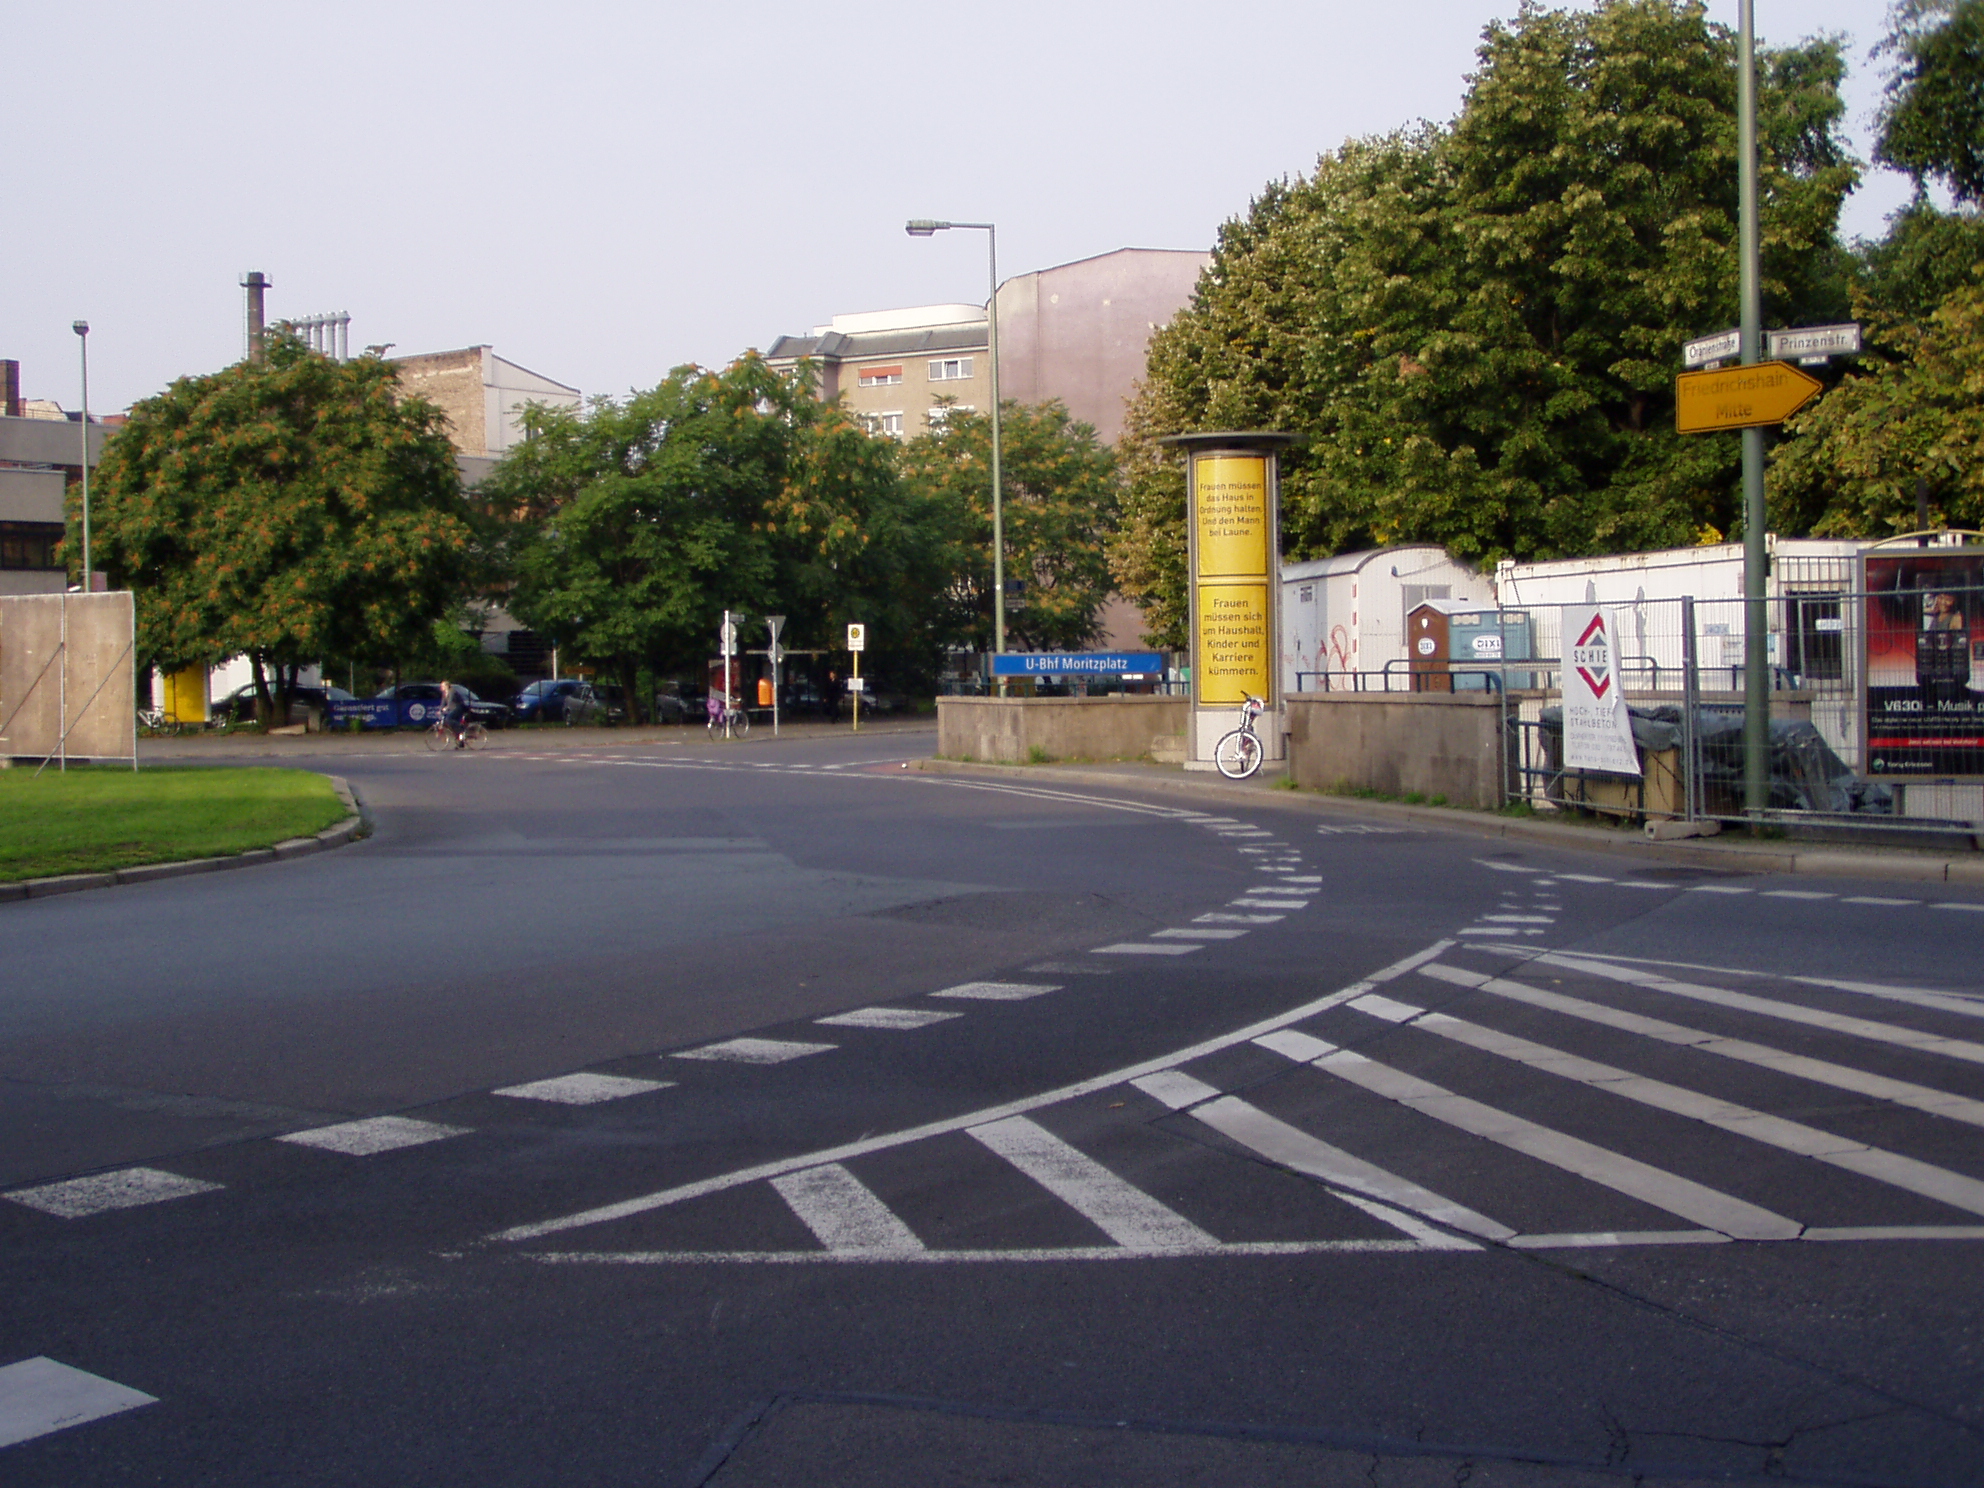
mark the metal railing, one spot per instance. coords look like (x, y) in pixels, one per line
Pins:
(1877, 715)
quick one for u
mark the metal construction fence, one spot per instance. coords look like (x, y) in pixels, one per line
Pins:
(1877, 705)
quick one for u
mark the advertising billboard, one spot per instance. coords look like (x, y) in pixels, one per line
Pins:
(1922, 674)
(1233, 541)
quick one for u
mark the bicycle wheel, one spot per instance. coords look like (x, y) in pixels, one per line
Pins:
(474, 735)
(741, 722)
(438, 737)
(1237, 754)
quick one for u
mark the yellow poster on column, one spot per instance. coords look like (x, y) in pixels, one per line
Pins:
(1230, 508)
(1231, 532)
(1232, 653)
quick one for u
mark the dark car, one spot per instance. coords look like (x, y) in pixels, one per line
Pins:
(418, 704)
(304, 704)
(544, 702)
(594, 702)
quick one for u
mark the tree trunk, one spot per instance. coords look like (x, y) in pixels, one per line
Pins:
(630, 672)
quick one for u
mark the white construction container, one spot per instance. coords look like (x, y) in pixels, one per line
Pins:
(1343, 618)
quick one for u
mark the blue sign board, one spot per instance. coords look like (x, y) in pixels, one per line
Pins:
(1076, 663)
(370, 712)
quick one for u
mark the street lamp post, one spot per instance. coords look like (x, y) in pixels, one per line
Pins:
(923, 227)
(82, 330)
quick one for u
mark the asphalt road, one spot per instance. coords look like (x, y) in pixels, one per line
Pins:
(669, 1112)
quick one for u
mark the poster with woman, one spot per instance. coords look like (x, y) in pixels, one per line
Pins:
(1924, 661)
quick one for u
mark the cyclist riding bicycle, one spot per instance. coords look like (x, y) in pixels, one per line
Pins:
(454, 709)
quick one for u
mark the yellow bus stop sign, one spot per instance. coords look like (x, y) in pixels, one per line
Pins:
(1740, 397)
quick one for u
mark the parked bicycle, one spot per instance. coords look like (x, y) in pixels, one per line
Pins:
(472, 736)
(734, 719)
(155, 721)
(1239, 751)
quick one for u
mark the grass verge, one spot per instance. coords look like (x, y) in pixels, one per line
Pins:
(97, 818)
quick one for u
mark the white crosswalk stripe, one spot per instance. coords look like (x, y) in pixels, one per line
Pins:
(839, 1208)
(1122, 1211)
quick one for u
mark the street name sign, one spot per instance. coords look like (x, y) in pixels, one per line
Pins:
(1075, 663)
(1740, 397)
(1717, 348)
(1814, 343)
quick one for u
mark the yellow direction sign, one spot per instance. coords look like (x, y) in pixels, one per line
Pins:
(1740, 397)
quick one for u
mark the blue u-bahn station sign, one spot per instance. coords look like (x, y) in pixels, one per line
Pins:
(1077, 663)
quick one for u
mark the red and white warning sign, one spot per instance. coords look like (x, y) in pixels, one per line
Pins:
(1598, 734)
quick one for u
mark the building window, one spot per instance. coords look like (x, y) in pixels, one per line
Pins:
(883, 423)
(937, 416)
(30, 545)
(951, 369)
(880, 376)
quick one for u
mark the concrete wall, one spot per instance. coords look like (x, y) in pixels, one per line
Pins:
(1436, 743)
(1008, 729)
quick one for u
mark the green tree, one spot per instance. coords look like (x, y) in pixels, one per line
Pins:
(1932, 120)
(1059, 498)
(1476, 327)
(632, 525)
(289, 510)
(1913, 409)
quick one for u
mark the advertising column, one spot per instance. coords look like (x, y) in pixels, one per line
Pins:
(1232, 507)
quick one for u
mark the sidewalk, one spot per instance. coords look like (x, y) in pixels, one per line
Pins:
(250, 744)
(1730, 853)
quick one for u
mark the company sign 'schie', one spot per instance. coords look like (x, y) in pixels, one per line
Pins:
(1598, 733)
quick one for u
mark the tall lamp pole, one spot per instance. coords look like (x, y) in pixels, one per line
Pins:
(82, 330)
(923, 227)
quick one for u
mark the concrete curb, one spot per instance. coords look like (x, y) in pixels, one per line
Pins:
(1740, 856)
(340, 834)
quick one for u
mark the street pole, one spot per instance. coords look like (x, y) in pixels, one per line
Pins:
(776, 624)
(1756, 614)
(998, 507)
(82, 330)
(923, 227)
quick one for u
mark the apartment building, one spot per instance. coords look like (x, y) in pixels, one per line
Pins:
(1077, 332)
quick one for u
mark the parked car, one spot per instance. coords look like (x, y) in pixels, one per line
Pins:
(880, 700)
(593, 702)
(418, 704)
(544, 702)
(239, 705)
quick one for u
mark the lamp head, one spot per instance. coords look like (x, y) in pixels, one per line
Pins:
(81, 327)
(923, 227)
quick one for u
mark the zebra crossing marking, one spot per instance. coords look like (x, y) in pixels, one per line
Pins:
(39, 1396)
(1121, 1210)
(996, 991)
(1892, 1168)
(372, 1135)
(583, 1089)
(754, 1051)
(99, 1193)
(1886, 1033)
(1819, 1071)
(1680, 1196)
(699, 1188)
(888, 1017)
(843, 1212)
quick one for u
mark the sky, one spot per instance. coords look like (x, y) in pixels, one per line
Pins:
(603, 190)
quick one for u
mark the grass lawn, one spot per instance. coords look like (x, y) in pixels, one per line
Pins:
(100, 817)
